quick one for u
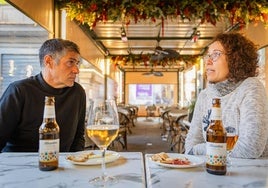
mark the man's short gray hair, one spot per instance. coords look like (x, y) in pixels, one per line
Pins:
(56, 48)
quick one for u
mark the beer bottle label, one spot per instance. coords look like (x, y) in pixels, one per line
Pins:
(49, 112)
(216, 114)
(216, 154)
(49, 150)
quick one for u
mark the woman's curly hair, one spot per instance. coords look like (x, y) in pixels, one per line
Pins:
(241, 55)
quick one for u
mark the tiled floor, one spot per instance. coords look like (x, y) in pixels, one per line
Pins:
(146, 136)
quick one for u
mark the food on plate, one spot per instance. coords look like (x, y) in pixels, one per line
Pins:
(166, 159)
(160, 156)
(81, 157)
(85, 156)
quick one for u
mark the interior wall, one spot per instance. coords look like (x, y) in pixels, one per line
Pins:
(259, 35)
(138, 78)
(266, 69)
(87, 49)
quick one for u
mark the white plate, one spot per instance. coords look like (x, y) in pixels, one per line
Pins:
(96, 159)
(195, 161)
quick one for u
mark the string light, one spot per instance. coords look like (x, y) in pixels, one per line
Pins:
(195, 35)
(123, 34)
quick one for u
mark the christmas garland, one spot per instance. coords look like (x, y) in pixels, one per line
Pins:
(126, 11)
(184, 61)
(236, 11)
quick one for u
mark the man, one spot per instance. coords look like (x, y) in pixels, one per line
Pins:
(22, 104)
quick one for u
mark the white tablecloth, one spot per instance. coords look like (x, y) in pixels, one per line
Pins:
(246, 173)
(19, 170)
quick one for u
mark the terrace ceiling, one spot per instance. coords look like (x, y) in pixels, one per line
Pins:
(158, 32)
(174, 36)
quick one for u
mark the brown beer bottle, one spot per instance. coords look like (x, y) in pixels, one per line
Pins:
(216, 141)
(49, 138)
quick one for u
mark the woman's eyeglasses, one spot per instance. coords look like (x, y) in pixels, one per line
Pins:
(214, 56)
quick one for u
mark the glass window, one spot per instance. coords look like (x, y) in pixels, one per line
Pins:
(20, 40)
(17, 66)
(261, 64)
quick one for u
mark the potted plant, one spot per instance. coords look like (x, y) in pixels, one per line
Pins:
(191, 110)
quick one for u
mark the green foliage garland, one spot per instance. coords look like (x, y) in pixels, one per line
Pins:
(237, 11)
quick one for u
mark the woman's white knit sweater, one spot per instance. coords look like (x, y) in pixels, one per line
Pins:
(245, 103)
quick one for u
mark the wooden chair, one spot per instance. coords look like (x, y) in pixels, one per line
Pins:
(121, 140)
(150, 111)
(165, 126)
(128, 112)
(180, 131)
(132, 115)
(135, 114)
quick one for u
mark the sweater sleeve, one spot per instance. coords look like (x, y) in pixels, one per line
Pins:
(253, 126)
(195, 143)
(10, 109)
(79, 140)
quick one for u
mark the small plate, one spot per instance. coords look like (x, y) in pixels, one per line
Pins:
(195, 161)
(95, 159)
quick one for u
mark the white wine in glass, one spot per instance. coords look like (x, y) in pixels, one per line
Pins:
(102, 128)
(102, 135)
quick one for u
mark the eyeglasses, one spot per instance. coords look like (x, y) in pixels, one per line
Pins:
(214, 56)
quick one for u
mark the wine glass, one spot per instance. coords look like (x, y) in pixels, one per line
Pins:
(102, 128)
(232, 137)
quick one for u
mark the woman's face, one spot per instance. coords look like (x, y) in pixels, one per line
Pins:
(216, 65)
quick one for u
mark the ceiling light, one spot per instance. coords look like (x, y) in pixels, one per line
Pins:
(154, 73)
(123, 34)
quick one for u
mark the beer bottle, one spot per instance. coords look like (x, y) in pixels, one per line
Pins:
(216, 141)
(49, 138)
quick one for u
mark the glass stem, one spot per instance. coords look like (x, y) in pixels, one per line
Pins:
(229, 162)
(103, 167)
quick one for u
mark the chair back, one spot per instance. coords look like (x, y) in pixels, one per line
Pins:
(123, 119)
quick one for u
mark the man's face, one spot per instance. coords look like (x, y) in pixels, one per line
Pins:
(64, 73)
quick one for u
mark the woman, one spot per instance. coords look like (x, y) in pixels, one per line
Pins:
(231, 69)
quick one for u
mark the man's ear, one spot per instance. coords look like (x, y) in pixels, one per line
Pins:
(48, 61)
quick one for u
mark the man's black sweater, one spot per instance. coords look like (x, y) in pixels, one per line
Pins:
(21, 114)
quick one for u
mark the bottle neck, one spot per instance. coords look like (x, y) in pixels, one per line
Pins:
(49, 112)
(216, 113)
